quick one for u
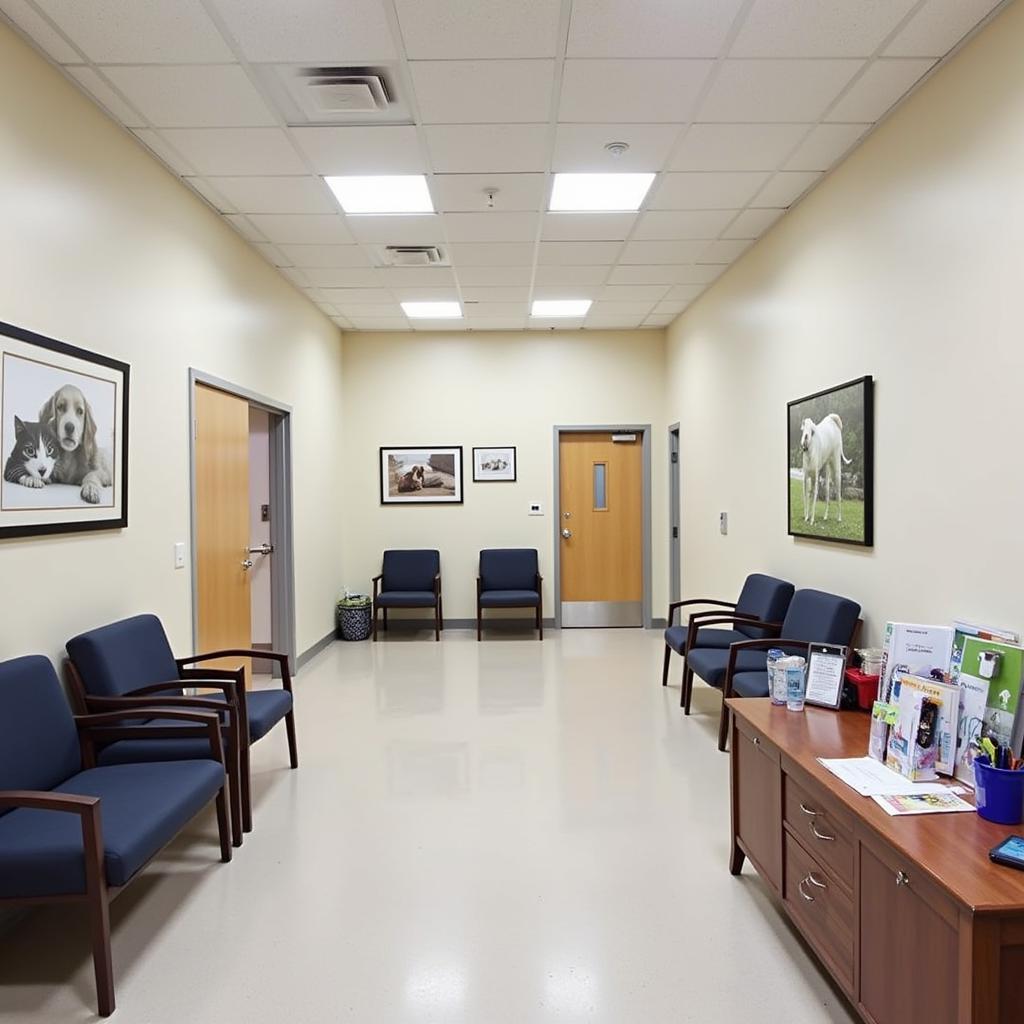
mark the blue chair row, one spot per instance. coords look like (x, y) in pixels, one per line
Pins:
(768, 613)
(509, 578)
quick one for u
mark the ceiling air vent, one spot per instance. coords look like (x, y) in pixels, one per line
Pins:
(336, 94)
(413, 256)
(346, 90)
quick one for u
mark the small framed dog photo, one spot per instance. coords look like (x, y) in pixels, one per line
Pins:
(494, 465)
(430, 475)
(63, 437)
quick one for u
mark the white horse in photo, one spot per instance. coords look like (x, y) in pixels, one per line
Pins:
(822, 445)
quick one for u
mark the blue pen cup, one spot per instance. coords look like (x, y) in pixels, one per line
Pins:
(999, 793)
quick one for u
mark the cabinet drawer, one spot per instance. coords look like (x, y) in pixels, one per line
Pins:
(824, 831)
(822, 911)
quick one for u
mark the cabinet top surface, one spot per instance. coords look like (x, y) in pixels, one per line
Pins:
(952, 848)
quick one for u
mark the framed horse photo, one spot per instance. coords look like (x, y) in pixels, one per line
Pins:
(831, 464)
(63, 437)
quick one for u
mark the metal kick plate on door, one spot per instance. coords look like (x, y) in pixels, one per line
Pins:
(576, 614)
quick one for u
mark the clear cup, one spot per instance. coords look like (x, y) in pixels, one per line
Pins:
(796, 685)
(776, 676)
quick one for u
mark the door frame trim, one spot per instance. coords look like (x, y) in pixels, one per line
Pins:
(675, 505)
(644, 429)
(281, 532)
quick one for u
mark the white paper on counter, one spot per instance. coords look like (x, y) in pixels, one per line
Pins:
(871, 778)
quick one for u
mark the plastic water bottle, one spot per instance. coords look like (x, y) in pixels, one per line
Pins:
(796, 684)
(776, 677)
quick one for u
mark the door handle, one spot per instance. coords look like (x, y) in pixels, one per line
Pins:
(263, 549)
(246, 564)
(567, 533)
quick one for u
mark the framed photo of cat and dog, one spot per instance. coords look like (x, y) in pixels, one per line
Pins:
(63, 437)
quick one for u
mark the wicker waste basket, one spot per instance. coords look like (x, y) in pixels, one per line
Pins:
(353, 618)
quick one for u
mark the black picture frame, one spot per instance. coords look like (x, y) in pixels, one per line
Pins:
(20, 349)
(432, 458)
(855, 400)
(496, 479)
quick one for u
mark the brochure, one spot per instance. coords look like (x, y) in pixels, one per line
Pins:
(943, 730)
(921, 803)
(962, 630)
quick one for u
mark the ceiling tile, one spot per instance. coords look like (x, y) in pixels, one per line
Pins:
(368, 323)
(475, 310)
(492, 226)
(272, 254)
(567, 290)
(881, 85)
(610, 91)
(326, 255)
(655, 28)
(311, 229)
(168, 154)
(560, 277)
(775, 90)
(703, 190)
(312, 31)
(684, 292)
(688, 273)
(587, 226)
(361, 149)
(400, 277)
(244, 227)
(373, 309)
(554, 323)
(497, 323)
(465, 192)
(476, 29)
(108, 98)
(725, 252)
(40, 31)
(785, 188)
(343, 297)
(611, 322)
(342, 277)
(752, 223)
(637, 309)
(736, 147)
(483, 91)
(632, 292)
(297, 277)
(482, 148)
(495, 294)
(214, 96)
(669, 309)
(140, 31)
(824, 146)
(831, 28)
(937, 27)
(487, 276)
(275, 194)
(231, 151)
(576, 254)
(580, 147)
(210, 194)
(662, 252)
(445, 326)
(658, 320)
(421, 293)
(491, 254)
(397, 229)
(683, 224)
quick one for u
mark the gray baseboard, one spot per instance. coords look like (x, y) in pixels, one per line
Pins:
(321, 645)
(508, 624)
(659, 623)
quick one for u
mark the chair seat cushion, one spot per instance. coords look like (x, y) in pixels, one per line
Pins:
(509, 599)
(675, 637)
(142, 808)
(711, 663)
(266, 709)
(750, 684)
(406, 599)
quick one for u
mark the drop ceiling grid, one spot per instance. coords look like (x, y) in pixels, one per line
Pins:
(750, 60)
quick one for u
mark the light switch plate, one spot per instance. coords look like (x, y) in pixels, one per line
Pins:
(723, 523)
(536, 509)
(179, 555)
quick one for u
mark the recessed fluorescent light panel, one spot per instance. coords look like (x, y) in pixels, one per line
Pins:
(432, 310)
(560, 307)
(382, 193)
(586, 192)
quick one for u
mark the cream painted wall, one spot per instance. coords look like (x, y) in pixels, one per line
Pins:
(489, 389)
(105, 249)
(905, 264)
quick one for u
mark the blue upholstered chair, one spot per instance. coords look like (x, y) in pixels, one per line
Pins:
(509, 578)
(762, 599)
(741, 671)
(72, 832)
(130, 663)
(409, 579)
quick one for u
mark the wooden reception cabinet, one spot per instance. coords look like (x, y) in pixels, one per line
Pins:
(908, 914)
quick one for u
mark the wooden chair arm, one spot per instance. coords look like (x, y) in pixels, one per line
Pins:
(100, 723)
(698, 622)
(43, 800)
(696, 600)
(246, 652)
(754, 645)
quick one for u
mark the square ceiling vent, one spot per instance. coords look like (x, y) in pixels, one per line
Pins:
(412, 256)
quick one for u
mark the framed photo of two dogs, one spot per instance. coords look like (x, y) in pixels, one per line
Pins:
(63, 437)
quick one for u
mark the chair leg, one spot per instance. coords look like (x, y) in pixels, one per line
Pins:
(684, 695)
(385, 620)
(723, 726)
(235, 793)
(99, 912)
(664, 671)
(246, 789)
(479, 623)
(293, 748)
(540, 622)
(440, 610)
(223, 827)
(373, 623)
(437, 620)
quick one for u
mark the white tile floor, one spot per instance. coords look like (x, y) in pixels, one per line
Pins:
(496, 833)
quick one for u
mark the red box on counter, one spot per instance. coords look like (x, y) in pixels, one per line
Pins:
(867, 687)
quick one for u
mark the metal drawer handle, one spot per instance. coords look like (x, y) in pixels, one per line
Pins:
(800, 887)
(820, 835)
(757, 741)
(902, 878)
(815, 882)
(808, 810)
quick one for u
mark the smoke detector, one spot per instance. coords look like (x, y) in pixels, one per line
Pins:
(616, 148)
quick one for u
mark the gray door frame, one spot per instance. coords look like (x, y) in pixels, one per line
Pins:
(675, 525)
(282, 577)
(644, 429)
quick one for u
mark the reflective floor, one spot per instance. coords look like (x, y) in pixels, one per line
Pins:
(498, 833)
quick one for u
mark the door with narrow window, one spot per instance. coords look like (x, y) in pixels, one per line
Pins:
(601, 529)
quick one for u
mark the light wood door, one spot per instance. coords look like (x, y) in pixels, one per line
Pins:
(601, 510)
(222, 521)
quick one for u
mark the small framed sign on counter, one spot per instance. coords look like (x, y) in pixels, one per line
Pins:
(826, 667)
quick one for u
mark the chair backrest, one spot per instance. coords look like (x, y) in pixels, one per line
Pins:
(508, 569)
(765, 597)
(410, 570)
(38, 740)
(123, 656)
(820, 618)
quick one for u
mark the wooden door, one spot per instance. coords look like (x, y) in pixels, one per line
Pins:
(222, 521)
(601, 526)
